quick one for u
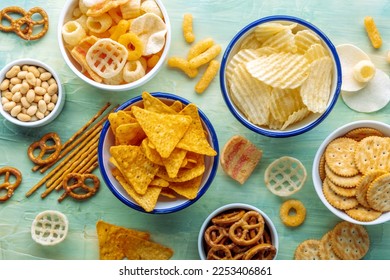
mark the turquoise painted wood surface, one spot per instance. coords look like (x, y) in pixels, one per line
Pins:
(342, 21)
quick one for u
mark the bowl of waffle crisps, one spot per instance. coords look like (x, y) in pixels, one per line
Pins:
(114, 45)
(280, 76)
(31, 93)
(158, 153)
(351, 172)
(238, 231)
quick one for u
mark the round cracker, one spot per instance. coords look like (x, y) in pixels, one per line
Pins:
(364, 183)
(363, 214)
(345, 182)
(350, 241)
(339, 155)
(325, 248)
(338, 201)
(347, 192)
(307, 250)
(359, 133)
(321, 167)
(378, 193)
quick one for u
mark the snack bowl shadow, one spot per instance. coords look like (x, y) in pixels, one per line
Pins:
(58, 106)
(317, 182)
(308, 122)
(164, 205)
(66, 15)
(269, 226)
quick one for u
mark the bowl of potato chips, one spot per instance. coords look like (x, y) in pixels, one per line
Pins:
(351, 172)
(114, 45)
(158, 153)
(280, 76)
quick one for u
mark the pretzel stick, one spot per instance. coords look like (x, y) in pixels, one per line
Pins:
(54, 184)
(77, 134)
(90, 166)
(58, 167)
(77, 165)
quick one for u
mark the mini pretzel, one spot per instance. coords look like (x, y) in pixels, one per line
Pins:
(215, 235)
(230, 218)
(6, 15)
(75, 186)
(219, 252)
(6, 184)
(248, 230)
(30, 23)
(262, 251)
(45, 148)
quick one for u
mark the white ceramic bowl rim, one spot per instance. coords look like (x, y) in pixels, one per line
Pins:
(229, 102)
(231, 206)
(61, 95)
(186, 203)
(315, 174)
(123, 87)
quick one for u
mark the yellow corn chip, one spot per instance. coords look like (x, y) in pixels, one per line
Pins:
(140, 249)
(150, 152)
(136, 168)
(154, 104)
(129, 134)
(118, 118)
(174, 161)
(163, 130)
(184, 174)
(188, 189)
(194, 139)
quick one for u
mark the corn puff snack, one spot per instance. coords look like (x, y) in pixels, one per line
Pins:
(372, 32)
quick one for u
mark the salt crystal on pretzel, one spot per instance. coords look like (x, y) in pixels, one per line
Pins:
(106, 57)
(151, 29)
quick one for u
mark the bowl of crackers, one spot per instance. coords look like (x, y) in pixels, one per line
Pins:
(31, 93)
(114, 45)
(238, 231)
(158, 153)
(280, 76)
(351, 172)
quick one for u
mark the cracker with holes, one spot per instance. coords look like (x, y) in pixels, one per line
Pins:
(363, 132)
(345, 182)
(325, 247)
(363, 214)
(373, 153)
(350, 241)
(378, 193)
(338, 201)
(307, 250)
(339, 156)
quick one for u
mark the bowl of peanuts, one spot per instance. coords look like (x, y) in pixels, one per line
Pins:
(280, 76)
(238, 231)
(31, 93)
(114, 45)
(351, 172)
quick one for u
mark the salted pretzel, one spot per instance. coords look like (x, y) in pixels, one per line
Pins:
(248, 230)
(24, 26)
(76, 186)
(215, 235)
(262, 251)
(45, 147)
(219, 252)
(225, 219)
(9, 186)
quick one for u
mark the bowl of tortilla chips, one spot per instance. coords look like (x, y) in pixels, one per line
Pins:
(158, 153)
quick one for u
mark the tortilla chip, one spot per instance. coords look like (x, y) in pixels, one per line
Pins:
(136, 168)
(110, 242)
(169, 193)
(140, 249)
(174, 162)
(188, 189)
(129, 134)
(163, 130)
(177, 106)
(159, 182)
(151, 152)
(148, 200)
(118, 118)
(194, 139)
(184, 174)
(154, 104)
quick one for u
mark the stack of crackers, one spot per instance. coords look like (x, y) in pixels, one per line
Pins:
(355, 171)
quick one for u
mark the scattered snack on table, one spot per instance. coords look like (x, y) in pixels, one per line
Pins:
(158, 146)
(207, 77)
(372, 32)
(345, 241)
(117, 243)
(307, 250)
(302, 64)
(364, 71)
(49, 147)
(285, 176)
(238, 235)
(292, 213)
(29, 93)
(239, 157)
(112, 39)
(188, 28)
(11, 178)
(356, 173)
(49, 228)
(27, 25)
(78, 186)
